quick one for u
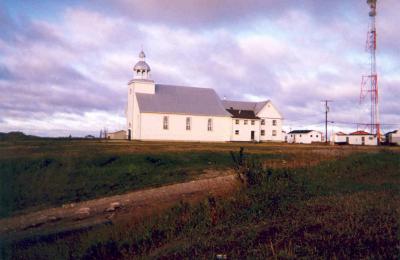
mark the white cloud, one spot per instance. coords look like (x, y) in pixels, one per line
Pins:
(80, 64)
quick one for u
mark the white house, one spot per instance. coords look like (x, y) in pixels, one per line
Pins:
(119, 135)
(393, 137)
(254, 121)
(284, 136)
(339, 138)
(362, 138)
(355, 138)
(177, 113)
(304, 136)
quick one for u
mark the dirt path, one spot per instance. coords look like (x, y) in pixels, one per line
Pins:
(133, 205)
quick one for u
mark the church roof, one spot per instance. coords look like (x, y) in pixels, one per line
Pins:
(242, 105)
(182, 100)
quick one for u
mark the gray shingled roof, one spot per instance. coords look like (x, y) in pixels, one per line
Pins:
(247, 114)
(182, 100)
(242, 105)
(300, 131)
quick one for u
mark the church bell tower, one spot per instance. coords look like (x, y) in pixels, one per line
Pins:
(142, 69)
(143, 84)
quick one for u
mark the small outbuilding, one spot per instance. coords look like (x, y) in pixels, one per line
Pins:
(339, 138)
(393, 137)
(118, 135)
(355, 138)
(362, 138)
(304, 136)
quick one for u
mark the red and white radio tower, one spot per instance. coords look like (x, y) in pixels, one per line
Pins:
(369, 83)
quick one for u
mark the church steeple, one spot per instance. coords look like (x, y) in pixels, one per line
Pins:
(142, 69)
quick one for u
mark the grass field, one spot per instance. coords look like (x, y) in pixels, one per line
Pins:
(43, 173)
(306, 201)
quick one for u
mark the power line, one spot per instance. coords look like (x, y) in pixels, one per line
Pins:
(357, 123)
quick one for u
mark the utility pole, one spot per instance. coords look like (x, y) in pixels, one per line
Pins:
(326, 118)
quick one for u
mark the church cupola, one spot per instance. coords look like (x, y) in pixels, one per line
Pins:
(142, 69)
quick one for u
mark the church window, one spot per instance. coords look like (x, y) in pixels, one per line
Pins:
(262, 132)
(253, 122)
(188, 123)
(245, 122)
(262, 121)
(209, 125)
(273, 122)
(273, 132)
(165, 123)
(236, 132)
(237, 121)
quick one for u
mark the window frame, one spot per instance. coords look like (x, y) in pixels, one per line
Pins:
(237, 132)
(237, 121)
(188, 123)
(245, 122)
(165, 123)
(274, 133)
(262, 132)
(274, 122)
(210, 125)
(262, 121)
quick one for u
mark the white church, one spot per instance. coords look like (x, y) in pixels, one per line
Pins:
(177, 113)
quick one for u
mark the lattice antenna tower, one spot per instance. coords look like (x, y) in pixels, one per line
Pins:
(369, 83)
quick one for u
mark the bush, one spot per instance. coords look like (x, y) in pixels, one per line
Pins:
(271, 190)
(248, 170)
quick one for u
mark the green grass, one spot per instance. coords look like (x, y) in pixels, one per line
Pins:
(347, 208)
(83, 172)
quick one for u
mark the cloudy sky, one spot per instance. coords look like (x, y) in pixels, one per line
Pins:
(64, 65)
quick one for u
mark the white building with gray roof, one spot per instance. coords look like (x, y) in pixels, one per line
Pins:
(177, 113)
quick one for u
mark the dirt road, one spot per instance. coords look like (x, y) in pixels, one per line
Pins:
(133, 205)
